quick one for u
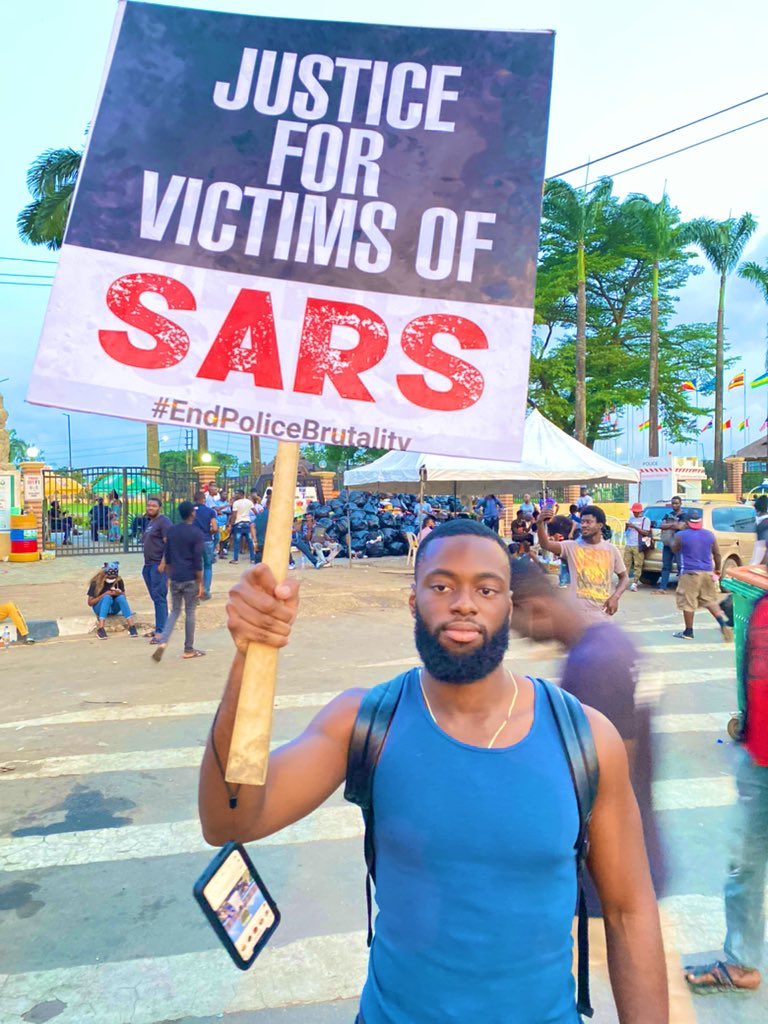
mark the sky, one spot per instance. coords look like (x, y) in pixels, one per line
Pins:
(622, 73)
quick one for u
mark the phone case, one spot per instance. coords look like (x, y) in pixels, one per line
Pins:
(210, 913)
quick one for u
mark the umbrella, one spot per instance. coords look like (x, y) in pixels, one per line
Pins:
(136, 484)
(62, 486)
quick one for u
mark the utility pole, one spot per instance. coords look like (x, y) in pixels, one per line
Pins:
(69, 438)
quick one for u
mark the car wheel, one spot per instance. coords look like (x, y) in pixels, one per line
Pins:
(650, 578)
(727, 568)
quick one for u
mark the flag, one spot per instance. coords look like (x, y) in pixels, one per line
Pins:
(737, 382)
(726, 425)
(645, 425)
(765, 424)
(687, 385)
(706, 426)
(744, 424)
(660, 426)
(759, 381)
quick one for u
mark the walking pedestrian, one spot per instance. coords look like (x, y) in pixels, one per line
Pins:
(153, 541)
(592, 562)
(673, 521)
(697, 585)
(184, 565)
(242, 527)
(745, 883)
(206, 522)
(106, 596)
(474, 807)
(638, 528)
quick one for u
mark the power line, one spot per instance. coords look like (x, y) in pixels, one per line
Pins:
(26, 259)
(26, 284)
(661, 135)
(36, 277)
(682, 149)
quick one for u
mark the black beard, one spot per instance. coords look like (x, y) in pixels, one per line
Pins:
(460, 668)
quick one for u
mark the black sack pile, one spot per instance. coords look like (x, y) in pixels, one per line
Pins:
(375, 532)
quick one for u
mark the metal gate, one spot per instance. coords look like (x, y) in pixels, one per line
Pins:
(102, 510)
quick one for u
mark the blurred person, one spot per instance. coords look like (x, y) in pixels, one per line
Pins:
(301, 538)
(698, 581)
(9, 610)
(153, 542)
(183, 562)
(761, 528)
(592, 561)
(468, 730)
(490, 508)
(429, 524)
(59, 521)
(584, 498)
(527, 507)
(114, 533)
(206, 522)
(99, 517)
(106, 596)
(242, 527)
(673, 521)
(637, 528)
(573, 514)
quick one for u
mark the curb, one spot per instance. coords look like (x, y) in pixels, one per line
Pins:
(78, 625)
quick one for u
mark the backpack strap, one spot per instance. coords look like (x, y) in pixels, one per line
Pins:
(579, 745)
(369, 733)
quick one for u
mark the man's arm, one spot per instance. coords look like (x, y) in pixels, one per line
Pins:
(619, 867)
(545, 541)
(716, 556)
(303, 773)
(676, 544)
(611, 606)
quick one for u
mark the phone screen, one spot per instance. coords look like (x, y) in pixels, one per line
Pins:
(233, 894)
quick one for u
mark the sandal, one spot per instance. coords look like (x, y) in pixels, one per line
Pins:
(158, 652)
(193, 654)
(721, 979)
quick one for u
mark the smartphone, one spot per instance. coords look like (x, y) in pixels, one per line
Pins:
(237, 904)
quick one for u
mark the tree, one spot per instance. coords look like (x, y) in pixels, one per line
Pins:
(51, 180)
(661, 237)
(571, 219)
(335, 458)
(722, 243)
(18, 447)
(758, 275)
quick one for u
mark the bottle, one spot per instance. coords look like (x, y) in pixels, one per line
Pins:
(6, 638)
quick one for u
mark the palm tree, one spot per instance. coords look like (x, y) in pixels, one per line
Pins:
(722, 242)
(759, 277)
(51, 180)
(660, 236)
(570, 217)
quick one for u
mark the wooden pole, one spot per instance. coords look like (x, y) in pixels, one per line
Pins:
(249, 751)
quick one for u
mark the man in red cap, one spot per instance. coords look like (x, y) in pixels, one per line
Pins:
(697, 585)
(637, 531)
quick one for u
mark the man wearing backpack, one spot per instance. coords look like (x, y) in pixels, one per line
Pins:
(476, 811)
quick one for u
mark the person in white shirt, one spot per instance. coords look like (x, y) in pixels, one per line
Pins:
(761, 525)
(637, 530)
(240, 522)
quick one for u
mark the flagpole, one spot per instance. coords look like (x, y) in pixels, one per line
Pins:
(746, 423)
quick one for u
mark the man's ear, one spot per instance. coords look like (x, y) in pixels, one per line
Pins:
(412, 599)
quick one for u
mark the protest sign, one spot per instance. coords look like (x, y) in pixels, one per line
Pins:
(310, 231)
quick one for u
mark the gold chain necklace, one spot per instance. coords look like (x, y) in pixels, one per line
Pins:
(503, 725)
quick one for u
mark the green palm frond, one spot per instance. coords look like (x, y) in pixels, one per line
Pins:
(757, 275)
(52, 170)
(43, 221)
(722, 242)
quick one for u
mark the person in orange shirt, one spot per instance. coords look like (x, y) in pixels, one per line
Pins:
(9, 610)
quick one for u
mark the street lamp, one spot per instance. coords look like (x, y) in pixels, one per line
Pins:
(206, 457)
(69, 437)
(32, 452)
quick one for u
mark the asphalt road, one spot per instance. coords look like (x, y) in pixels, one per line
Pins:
(99, 751)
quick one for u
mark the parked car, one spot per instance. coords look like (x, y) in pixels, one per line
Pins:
(733, 525)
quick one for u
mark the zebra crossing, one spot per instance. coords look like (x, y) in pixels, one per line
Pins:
(99, 850)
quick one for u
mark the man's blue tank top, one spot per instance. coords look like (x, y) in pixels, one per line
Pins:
(475, 876)
(696, 551)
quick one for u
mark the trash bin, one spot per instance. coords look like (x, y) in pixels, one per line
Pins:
(747, 583)
(24, 538)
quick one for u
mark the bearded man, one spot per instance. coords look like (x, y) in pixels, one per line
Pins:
(475, 810)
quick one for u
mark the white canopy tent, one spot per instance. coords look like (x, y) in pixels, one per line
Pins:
(549, 456)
